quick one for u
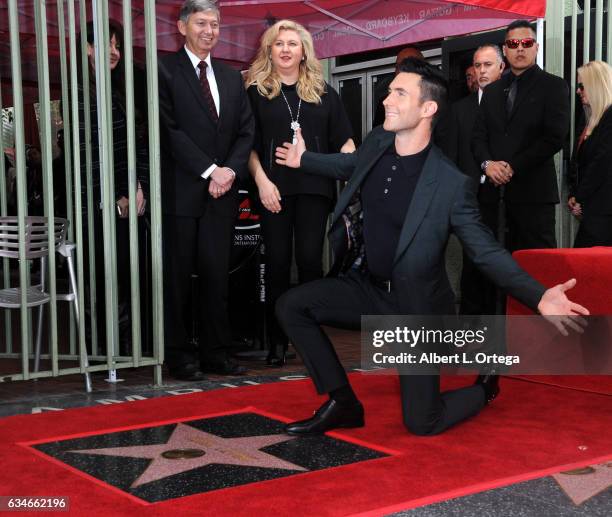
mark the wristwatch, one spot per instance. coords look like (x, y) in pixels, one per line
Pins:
(483, 165)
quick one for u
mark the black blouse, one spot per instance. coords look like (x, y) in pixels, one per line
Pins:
(325, 128)
(120, 151)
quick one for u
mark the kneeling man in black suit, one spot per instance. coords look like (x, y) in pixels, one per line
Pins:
(392, 261)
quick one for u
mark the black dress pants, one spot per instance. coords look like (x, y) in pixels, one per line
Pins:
(478, 294)
(124, 297)
(199, 245)
(301, 224)
(528, 226)
(594, 230)
(340, 302)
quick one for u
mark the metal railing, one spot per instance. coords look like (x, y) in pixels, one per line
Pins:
(70, 345)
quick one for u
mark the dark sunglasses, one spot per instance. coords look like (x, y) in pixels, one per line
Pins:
(580, 86)
(525, 43)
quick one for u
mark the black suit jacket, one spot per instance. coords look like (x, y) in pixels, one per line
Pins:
(528, 139)
(457, 144)
(594, 169)
(443, 202)
(192, 141)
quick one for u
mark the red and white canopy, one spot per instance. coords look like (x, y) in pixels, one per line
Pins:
(338, 26)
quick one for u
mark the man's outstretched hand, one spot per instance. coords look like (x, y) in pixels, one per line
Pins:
(563, 312)
(291, 154)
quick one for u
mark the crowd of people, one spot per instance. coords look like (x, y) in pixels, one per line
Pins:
(391, 222)
(407, 189)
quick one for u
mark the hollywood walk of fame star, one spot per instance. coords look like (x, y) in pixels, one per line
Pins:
(581, 487)
(244, 451)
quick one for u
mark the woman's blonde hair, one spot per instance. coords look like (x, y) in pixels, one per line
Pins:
(596, 77)
(310, 85)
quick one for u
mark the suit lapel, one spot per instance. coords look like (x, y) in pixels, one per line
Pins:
(222, 88)
(192, 80)
(423, 194)
(362, 170)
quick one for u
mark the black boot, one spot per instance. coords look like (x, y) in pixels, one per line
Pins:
(277, 355)
(490, 384)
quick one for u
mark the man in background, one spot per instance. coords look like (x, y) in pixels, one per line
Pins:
(477, 294)
(471, 79)
(523, 122)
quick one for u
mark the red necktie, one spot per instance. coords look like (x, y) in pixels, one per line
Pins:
(206, 91)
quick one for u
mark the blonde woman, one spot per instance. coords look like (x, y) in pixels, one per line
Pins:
(287, 91)
(591, 189)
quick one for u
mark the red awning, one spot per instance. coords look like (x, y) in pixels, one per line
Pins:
(338, 26)
(349, 26)
(526, 8)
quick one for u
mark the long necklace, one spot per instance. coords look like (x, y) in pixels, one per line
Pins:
(295, 124)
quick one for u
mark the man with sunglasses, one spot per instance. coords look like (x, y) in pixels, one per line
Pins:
(523, 122)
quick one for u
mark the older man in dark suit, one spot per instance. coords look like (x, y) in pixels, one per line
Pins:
(207, 134)
(477, 294)
(412, 198)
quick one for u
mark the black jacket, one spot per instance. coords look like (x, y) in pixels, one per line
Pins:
(528, 139)
(457, 144)
(192, 141)
(443, 203)
(593, 162)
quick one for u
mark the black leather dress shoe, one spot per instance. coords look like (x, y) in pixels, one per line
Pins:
(330, 415)
(490, 384)
(187, 372)
(275, 359)
(227, 367)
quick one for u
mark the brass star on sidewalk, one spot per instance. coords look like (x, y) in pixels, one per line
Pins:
(582, 484)
(188, 449)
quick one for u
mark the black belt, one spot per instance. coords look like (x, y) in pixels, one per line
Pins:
(381, 283)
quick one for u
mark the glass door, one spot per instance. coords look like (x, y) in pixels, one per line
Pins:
(352, 92)
(378, 86)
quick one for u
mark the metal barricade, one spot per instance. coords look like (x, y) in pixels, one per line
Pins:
(71, 346)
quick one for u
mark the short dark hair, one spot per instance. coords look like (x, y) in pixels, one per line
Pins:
(433, 86)
(520, 24)
(114, 29)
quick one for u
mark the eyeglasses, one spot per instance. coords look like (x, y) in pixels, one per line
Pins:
(580, 86)
(525, 43)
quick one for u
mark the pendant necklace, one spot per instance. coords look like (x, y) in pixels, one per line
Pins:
(295, 124)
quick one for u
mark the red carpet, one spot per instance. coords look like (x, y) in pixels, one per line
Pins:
(592, 383)
(592, 267)
(530, 431)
